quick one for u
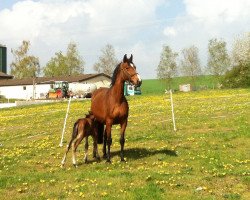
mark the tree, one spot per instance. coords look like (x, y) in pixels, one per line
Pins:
(190, 63)
(239, 75)
(64, 65)
(24, 65)
(241, 50)
(107, 61)
(74, 61)
(218, 59)
(57, 66)
(167, 67)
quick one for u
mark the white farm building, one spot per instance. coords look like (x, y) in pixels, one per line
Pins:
(39, 87)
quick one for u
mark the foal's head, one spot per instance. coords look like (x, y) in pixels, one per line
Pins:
(128, 69)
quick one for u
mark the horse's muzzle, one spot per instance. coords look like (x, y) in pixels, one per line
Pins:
(139, 83)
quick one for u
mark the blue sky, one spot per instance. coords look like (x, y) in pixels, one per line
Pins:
(137, 27)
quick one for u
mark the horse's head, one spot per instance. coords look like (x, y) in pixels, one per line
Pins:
(129, 71)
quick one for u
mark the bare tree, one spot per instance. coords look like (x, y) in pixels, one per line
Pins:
(190, 63)
(241, 50)
(167, 67)
(107, 61)
(218, 58)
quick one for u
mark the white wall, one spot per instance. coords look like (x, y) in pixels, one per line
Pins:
(100, 81)
(18, 92)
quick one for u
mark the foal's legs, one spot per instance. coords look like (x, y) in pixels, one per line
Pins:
(122, 138)
(75, 144)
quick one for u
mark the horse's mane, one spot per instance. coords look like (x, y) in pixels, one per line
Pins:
(115, 74)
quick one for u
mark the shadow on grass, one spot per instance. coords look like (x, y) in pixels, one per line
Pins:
(132, 154)
(138, 153)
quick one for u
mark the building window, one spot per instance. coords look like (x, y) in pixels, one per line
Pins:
(24, 87)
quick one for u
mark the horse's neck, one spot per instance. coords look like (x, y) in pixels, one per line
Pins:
(117, 90)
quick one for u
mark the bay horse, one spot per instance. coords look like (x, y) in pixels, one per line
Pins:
(109, 105)
(83, 128)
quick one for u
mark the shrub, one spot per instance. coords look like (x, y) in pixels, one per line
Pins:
(238, 76)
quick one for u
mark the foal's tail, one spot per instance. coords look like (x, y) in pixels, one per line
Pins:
(75, 130)
(74, 133)
(100, 128)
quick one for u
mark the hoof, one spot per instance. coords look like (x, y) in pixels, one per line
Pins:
(108, 161)
(123, 160)
(104, 156)
(86, 161)
(75, 165)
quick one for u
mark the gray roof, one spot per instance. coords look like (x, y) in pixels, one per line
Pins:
(46, 80)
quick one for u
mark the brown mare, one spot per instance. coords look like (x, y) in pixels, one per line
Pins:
(109, 105)
(83, 128)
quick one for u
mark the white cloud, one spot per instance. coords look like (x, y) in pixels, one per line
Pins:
(130, 26)
(204, 20)
(51, 25)
(169, 31)
(214, 10)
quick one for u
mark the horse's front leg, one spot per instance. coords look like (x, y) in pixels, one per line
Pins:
(104, 144)
(109, 138)
(122, 138)
(95, 147)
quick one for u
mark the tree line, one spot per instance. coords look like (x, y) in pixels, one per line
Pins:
(229, 70)
(70, 63)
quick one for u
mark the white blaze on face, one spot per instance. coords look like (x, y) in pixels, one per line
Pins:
(139, 78)
(131, 64)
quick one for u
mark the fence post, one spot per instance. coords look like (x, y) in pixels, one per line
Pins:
(172, 107)
(65, 121)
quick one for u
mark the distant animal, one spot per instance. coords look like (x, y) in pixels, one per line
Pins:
(83, 128)
(109, 105)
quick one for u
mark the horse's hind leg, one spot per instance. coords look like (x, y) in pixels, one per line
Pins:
(86, 149)
(66, 152)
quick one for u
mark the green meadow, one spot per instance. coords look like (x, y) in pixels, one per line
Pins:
(206, 158)
(156, 86)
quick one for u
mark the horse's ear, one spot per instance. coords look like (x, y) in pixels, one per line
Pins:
(125, 58)
(131, 58)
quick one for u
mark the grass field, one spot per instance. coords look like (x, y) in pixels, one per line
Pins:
(207, 158)
(155, 86)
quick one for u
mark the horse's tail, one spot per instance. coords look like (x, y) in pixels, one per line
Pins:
(100, 128)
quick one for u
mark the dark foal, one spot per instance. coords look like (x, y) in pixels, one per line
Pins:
(83, 128)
